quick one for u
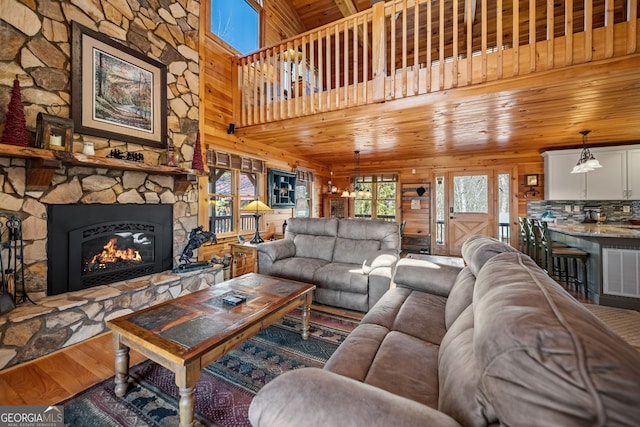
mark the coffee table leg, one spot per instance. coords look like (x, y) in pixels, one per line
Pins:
(186, 379)
(186, 406)
(122, 366)
(306, 310)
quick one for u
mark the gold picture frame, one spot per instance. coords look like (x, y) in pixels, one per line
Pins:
(54, 133)
(531, 180)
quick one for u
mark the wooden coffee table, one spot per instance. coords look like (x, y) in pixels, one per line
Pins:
(187, 333)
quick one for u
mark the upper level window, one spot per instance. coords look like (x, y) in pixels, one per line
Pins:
(237, 22)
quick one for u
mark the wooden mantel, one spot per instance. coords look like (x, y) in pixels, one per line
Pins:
(42, 164)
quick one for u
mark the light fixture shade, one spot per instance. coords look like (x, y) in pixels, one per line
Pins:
(256, 206)
(593, 163)
(345, 193)
(587, 161)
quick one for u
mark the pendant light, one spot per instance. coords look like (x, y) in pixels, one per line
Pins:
(355, 189)
(587, 161)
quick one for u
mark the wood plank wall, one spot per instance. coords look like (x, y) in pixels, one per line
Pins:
(218, 107)
(217, 114)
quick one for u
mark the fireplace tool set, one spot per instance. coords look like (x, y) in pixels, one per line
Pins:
(11, 263)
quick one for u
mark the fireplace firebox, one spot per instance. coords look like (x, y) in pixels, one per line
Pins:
(91, 245)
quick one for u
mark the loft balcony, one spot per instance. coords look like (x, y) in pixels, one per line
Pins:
(400, 49)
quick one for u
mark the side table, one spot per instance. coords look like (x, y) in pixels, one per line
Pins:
(244, 259)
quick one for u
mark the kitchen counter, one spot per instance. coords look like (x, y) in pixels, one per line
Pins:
(598, 230)
(614, 252)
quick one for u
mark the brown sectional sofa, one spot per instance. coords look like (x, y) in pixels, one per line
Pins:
(497, 342)
(349, 260)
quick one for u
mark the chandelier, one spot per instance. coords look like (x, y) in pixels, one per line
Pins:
(356, 190)
(587, 162)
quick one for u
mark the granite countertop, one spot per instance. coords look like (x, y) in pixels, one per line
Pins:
(598, 230)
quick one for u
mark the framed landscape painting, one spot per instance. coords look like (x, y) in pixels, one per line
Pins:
(116, 92)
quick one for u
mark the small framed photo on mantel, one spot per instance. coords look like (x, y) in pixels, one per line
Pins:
(54, 133)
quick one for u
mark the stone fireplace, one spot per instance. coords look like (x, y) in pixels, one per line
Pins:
(93, 245)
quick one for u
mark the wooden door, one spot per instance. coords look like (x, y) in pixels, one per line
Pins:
(471, 207)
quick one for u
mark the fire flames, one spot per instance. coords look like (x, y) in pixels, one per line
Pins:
(110, 254)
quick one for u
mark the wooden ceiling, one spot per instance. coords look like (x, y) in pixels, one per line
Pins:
(528, 114)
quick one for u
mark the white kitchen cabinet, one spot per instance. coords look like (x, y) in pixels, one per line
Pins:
(610, 181)
(559, 182)
(633, 174)
(618, 179)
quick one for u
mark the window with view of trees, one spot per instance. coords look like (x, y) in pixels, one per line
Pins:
(229, 191)
(381, 204)
(238, 22)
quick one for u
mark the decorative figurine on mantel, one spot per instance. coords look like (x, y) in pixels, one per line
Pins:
(197, 238)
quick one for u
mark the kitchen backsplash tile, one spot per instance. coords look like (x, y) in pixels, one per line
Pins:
(613, 209)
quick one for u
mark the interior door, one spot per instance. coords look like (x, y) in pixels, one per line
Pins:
(471, 207)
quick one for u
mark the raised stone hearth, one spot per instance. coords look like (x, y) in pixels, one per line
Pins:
(33, 330)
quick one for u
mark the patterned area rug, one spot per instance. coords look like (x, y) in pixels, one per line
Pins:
(225, 388)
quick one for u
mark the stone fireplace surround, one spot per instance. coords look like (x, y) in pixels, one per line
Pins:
(53, 322)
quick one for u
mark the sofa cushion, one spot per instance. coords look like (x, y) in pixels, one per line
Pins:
(354, 251)
(313, 237)
(310, 246)
(478, 249)
(460, 297)
(343, 277)
(413, 375)
(458, 373)
(544, 356)
(385, 232)
(426, 274)
(296, 268)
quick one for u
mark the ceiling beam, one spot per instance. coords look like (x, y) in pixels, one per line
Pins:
(347, 7)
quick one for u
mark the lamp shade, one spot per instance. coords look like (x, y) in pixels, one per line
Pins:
(256, 206)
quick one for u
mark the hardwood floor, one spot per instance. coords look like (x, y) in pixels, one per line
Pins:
(60, 375)
(63, 374)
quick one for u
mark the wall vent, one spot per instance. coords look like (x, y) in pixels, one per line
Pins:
(621, 272)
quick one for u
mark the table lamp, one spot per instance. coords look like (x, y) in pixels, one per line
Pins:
(257, 207)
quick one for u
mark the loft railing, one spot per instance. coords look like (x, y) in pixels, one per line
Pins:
(412, 47)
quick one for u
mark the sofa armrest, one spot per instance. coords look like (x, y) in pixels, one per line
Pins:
(378, 259)
(270, 252)
(314, 397)
(426, 276)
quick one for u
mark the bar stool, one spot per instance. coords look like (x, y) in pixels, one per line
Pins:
(567, 260)
(524, 235)
(535, 250)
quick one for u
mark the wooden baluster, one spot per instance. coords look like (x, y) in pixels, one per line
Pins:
(484, 40)
(254, 81)
(378, 64)
(283, 76)
(516, 37)
(328, 73)
(416, 45)
(550, 35)
(469, 16)
(378, 55)
(632, 25)
(532, 35)
(261, 88)
(320, 73)
(345, 64)
(568, 33)
(302, 79)
(588, 30)
(336, 33)
(392, 42)
(609, 22)
(441, 44)
(313, 76)
(499, 42)
(404, 49)
(429, 46)
(355, 62)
